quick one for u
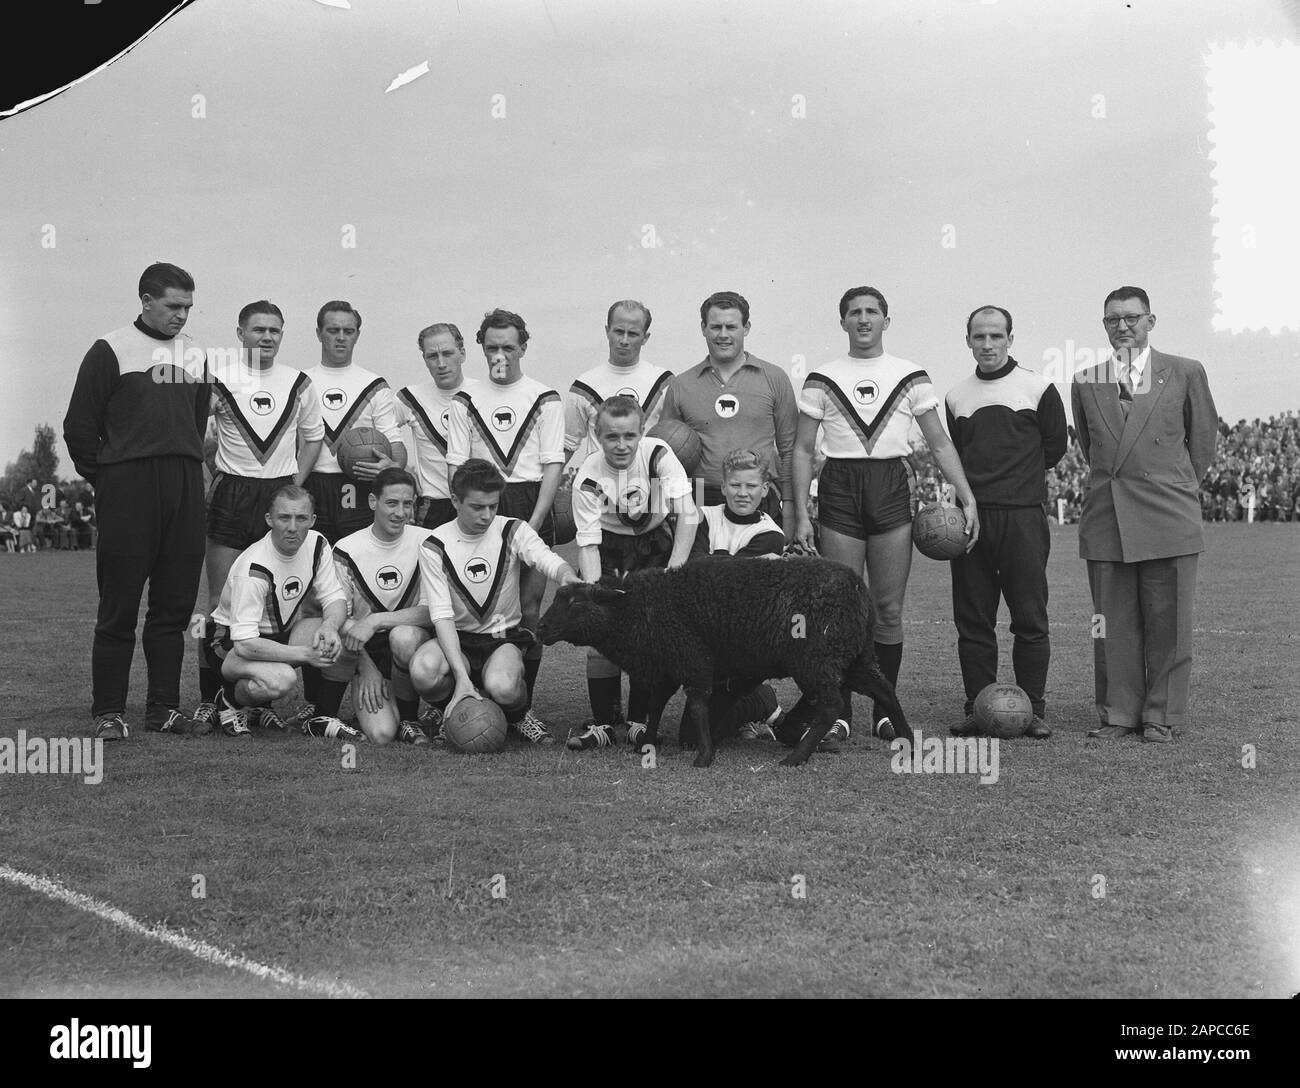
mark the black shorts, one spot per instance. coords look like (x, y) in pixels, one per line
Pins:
(342, 504)
(477, 648)
(237, 507)
(217, 647)
(620, 553)
(379, 651)
(440, 512)
(862, 497)
(518, 501)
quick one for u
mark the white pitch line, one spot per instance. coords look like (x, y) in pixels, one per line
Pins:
(43, 885)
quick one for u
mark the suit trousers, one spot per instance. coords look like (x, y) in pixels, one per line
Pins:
(1143, 659)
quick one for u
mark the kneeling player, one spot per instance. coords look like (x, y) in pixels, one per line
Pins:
(622, 496)
(470, 573)
(262, 633)
(379, 569)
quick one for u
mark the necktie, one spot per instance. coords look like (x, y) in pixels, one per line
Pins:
(1125, 388)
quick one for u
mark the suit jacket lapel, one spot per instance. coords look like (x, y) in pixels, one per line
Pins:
(1106, 391)
(1144, 403)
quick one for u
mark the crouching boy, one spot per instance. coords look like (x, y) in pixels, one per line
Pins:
(469, 574)
(622, 497)
(379, 569)
(738, 528)
(261, 632)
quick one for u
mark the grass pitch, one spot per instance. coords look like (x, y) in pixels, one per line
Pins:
(1086, 870)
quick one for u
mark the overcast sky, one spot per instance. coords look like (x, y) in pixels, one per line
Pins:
(951, 153)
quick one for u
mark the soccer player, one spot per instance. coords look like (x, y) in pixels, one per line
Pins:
(627, 328)
(267, 426)
(622, 497)
(738, 528)
(469, 570)
(426, 408)
(350, 396)
(516, 424)
(735, 400)
(134, 429)
(1008, 427)
(262, 630)
(379, 569)
(865, 402)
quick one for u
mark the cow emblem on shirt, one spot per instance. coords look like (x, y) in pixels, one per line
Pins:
(334, 398)
(292, 588)
(634, 505)
(388, 577)
(478, 570)
(444, 420)
(503, 418)
(262, 403)
(726, 405)
(866, 391)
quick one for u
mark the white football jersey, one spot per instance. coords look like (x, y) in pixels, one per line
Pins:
(426, 409)
(644, 383)
(379, 575)
(866, 406)
(260, 417)
(351, 396)
(474, 580)
(265, 591)
(631, 501)
(517, 427)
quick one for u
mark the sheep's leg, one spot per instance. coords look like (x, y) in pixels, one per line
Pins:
(827, 707)
(659, 695)
(697, 719)
(866, 678)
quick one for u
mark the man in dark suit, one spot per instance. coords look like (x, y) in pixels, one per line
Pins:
(1147, 426)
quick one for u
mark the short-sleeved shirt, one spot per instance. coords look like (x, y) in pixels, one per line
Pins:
(351, 396)
(644, 383)
(517, 427)
(265, 590)
(631, 501)
(380, 575)
(426, 409)
(754, 410)
(866, 406)
(474, 580)
(261, 414)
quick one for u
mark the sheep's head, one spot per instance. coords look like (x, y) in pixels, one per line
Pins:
(581, 613)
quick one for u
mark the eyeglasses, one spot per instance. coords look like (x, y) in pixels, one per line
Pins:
(1129, 319)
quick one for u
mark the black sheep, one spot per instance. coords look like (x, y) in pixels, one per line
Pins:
(809, 619)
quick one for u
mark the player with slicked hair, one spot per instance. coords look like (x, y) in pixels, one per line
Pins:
(425, 407)
(134, 429)
(265, 431)
(350, 396)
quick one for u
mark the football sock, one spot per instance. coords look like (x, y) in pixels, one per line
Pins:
(756, 705)
(889, 656)
(532, 662)
(605, 693)
(209, 684)
(310, 683)
(638, 701)
(330, 697)
(407, 709)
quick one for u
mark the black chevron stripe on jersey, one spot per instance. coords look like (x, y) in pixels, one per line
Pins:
(506, 461)
(868, 432)
(498, 579)
(657, 391)
(585, 391)
(359, 580)
(426, 424)
(333, 434)
(259, 447)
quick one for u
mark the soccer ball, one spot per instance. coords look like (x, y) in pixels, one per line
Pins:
(683, 440)
(1004, 710)
(473, 726)
(939, 531)
(361, 444)
(562, 515)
